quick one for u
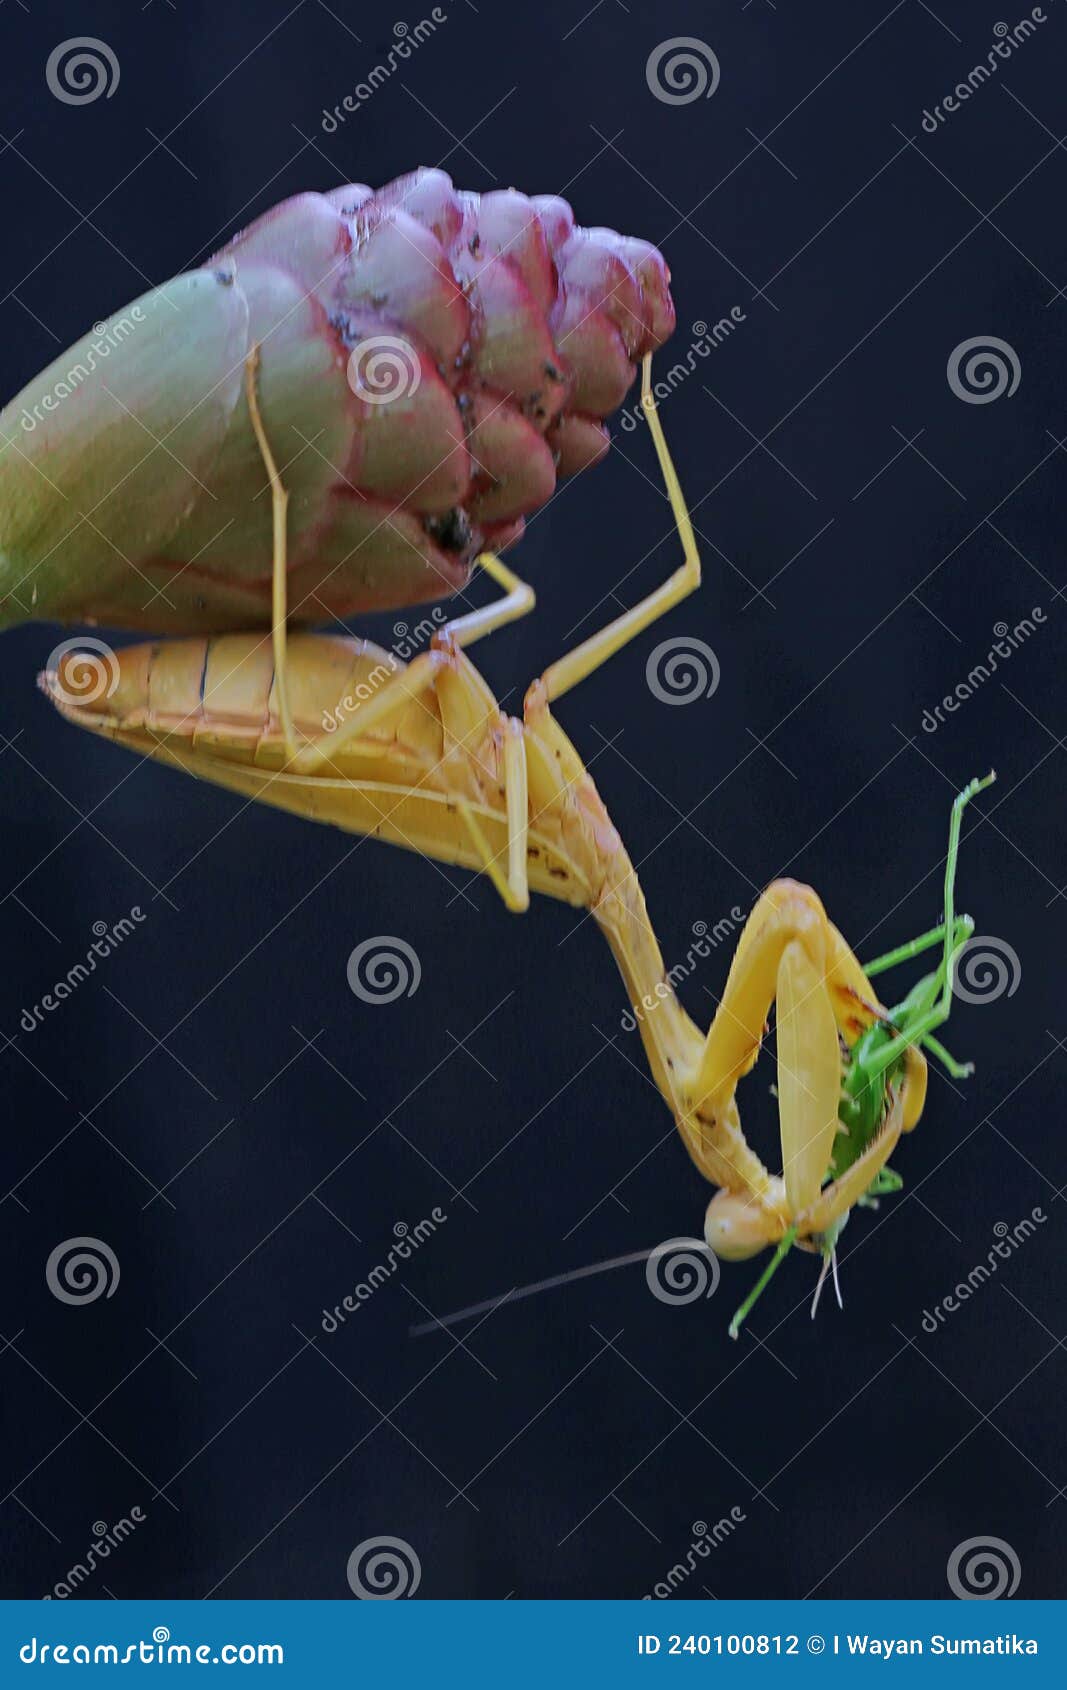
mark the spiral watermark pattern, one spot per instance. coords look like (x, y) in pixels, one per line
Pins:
(982, 369)
(681, 670)
(384, 968)
(985, 969)
(381, 1569)
(983, 1569)
(82, 1270)
(82, 69)
(682, 70)
(92, 674)
(682, 1270)
(384, 368)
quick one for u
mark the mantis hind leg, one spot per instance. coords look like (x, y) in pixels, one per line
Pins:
(279, 499)
(519, 597)
(575, 665)
(519, 601)
(408, 682)
(513, 885)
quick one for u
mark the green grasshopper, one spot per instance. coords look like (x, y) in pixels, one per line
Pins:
(875, 1066)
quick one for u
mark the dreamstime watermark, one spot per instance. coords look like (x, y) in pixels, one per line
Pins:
(982, 369)
(158, 1650)
(706, 1539)
(82, 69)
(408, 1240)
(407, 41)
(705, 940)
(983, 1569)
(105, 1539)
(381, 1569)
(682, 70)
(82, 1270)
(682, 1270)
(707, 339)
(384, 968)
(107, 336)
(1007, 641)
(681, 670)
(92, 673)
(1009, 1239)
(1008, 39)
(384, 368)
(985, 969)
(408, 640)
(108, 939)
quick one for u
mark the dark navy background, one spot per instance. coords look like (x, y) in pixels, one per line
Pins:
(571, 1444)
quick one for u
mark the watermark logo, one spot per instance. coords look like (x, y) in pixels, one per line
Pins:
(707, 338)
(705, 1539)
(407, 39)
(408, 1240)
(705, 940)
(155, 1651)
(384, 968)
(1009, 1239)
(985, 969)
(682, 1270)
(105, 1539)
(107, 338)
(1006, 642)
(82, 69)
(383, 368)
(983, 1569)
(108, 937)
(682, 70)
(82, 1270)
(381, 1569)
(983, 369)
(1008, 39)
(681, 670)
(408, 642)
(92, 673)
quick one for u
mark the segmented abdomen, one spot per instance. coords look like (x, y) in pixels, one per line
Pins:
(221, 691)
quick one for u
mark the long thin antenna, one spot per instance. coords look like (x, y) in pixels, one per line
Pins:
(515, 1296)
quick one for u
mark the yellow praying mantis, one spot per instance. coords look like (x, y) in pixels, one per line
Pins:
(423, 756)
